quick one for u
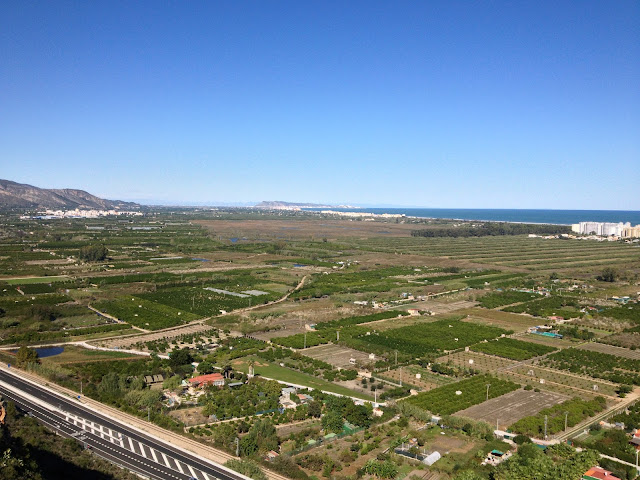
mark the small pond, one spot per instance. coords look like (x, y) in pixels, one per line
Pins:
(49, 351)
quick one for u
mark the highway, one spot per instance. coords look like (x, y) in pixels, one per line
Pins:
(117, 442)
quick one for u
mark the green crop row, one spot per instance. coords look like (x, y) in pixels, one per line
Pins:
(494, 300)
(145, 314)
(596, 364)
(572, 412)
(512, 348)
(204, 302)
(354, 282)
(421, 339)
(554, 305)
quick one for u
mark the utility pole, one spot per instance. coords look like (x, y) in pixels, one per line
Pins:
(488, 385)
(148, 414)
(237, 446)
(337, 335)
(80, 387)
(396, 358)
(545, 427)
(566, 417)
(305, 339)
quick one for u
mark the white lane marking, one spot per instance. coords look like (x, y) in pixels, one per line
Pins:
(206, 477)
(191, 470)
(153, 454)
(142, 450)
(166, 460)
(178, 464)
(130, 444)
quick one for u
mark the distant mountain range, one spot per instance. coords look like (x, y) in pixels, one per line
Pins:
(20, 195)
(279, 204)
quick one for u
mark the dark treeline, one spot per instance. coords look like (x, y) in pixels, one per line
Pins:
(492, 229)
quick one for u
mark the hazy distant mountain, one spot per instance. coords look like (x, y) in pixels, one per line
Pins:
(278, 204)
(17, 195)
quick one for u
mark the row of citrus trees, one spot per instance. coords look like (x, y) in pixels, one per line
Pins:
(454, 397)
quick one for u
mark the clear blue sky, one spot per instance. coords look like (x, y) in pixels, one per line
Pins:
(485, 104)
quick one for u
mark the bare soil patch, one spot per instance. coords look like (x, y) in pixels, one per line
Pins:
(189, 416)
(506, 320)
(337, 355)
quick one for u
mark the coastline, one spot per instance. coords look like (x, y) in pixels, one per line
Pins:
(512, 216)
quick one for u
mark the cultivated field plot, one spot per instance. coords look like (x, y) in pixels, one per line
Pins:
(440, 307)
(512, 348)
(479, 361)
(574, 382)
(626, 339)
(555, 380)
(309, 228)
(496, 318)
(144, 313)
(511, 407)
(457, 396)
(407, 375)
(435, 336)
(204, 302)
(611, 350)
(515, 251)
(336, 355)
(149, 337)
(549, 341)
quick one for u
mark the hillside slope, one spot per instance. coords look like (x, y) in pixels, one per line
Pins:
(16, 195)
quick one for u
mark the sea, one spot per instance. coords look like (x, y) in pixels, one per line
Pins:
(552, 217)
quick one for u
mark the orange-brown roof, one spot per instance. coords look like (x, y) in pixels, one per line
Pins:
(600, 473)
(210, 378)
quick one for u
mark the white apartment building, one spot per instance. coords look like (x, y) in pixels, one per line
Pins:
(603, 229)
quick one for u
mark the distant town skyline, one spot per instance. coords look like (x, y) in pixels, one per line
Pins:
(445, 104)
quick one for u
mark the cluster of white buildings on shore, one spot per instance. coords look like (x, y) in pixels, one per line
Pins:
(605, 229)
(77, 213)
(363, 214)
